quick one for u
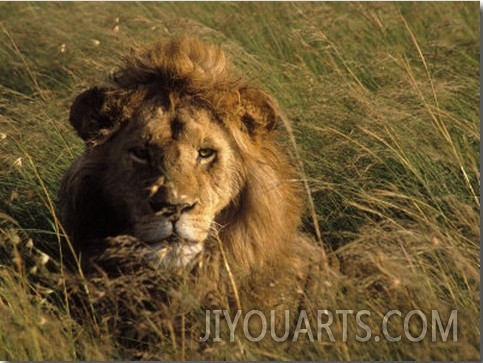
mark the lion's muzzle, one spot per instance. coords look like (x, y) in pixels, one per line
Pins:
(167, 216)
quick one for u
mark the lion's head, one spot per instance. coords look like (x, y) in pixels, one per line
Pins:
(180, 151)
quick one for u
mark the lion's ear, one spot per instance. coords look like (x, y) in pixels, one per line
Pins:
(260, 111)
(88, 114)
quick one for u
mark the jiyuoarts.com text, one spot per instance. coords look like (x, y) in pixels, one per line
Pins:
(281, 326)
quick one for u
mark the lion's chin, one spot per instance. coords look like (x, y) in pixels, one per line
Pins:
(167, 247)
(174, 252)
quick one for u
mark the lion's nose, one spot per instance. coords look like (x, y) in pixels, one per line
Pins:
(160, 204)
(169, 209)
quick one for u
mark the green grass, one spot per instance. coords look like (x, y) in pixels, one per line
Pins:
(383, 99)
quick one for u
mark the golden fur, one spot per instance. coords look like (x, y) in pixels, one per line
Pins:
(181, 152)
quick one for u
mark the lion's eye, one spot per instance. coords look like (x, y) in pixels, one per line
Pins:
(139, 155)
(206, 153)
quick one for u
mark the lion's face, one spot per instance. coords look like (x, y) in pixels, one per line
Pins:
(173, 171)
(179, 149)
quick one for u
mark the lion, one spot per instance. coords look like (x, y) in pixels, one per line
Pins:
(183, 172)
(179, 150)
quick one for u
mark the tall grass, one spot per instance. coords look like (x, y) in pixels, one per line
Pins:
(383, 101)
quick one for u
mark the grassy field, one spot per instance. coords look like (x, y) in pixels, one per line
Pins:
(383, 99)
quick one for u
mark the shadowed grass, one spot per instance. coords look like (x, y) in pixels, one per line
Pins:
(383, 102)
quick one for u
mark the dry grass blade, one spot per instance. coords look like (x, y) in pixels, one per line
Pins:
(230, 274)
